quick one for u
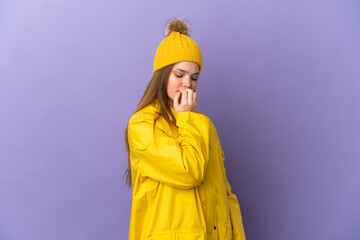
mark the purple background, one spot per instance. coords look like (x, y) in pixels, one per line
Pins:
(280, 81)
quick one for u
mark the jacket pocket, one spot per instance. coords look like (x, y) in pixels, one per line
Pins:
(224, 232)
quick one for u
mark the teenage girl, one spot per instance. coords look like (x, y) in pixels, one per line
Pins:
(176, 164)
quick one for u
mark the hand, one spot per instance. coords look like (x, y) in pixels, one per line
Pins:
(188, 100)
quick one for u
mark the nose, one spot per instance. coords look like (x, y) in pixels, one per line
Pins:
(187, 82)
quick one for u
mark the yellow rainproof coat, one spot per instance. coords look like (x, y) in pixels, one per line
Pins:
(179, 185)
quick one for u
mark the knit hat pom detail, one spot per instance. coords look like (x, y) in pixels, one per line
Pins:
(177, 25)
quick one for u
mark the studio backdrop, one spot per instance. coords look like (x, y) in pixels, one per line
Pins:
(280, 81)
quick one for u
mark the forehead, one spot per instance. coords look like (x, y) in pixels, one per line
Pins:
(187, 66)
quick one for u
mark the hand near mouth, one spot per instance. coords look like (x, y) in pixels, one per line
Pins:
(186, 100)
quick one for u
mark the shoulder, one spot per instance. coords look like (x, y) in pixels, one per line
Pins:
(145, 114)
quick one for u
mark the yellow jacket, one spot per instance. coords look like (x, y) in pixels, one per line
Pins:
(179, 184)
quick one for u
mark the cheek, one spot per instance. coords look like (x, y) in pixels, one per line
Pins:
(172, 84)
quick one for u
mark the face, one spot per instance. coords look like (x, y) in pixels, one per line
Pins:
(183, 75)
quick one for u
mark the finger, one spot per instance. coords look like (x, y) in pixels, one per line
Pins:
(190, 93)
(184, 97)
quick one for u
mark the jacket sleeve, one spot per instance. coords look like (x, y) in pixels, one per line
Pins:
(180, 162)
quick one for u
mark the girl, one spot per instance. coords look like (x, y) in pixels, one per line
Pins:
(176, 163)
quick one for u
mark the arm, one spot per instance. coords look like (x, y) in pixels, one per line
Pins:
(178, 162)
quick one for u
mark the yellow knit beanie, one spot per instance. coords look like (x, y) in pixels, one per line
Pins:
(177, 46)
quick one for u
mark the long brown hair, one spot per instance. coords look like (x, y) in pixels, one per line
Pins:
(156, 89)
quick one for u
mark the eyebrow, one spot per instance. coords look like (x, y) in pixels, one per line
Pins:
(186, 71)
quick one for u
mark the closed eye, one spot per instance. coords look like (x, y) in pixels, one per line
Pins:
(195, 79)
